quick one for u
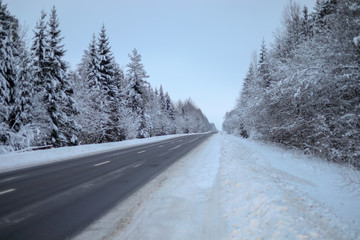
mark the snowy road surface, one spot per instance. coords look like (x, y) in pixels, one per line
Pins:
(230, 188)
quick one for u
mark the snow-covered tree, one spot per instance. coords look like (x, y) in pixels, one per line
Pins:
(56, 107)
(24, 97)
(62, 106)
(190, 118)
(137, 87)
(106, 73)
(305, 24)
(106, 64)
(88, 95)
(263, 68)
(170, 109)
(313, 100)
(104, 107)
(42, 102)
(8, 36)
(15, 85)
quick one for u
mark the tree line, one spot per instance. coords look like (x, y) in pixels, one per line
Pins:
(304, 90)
(44, 102)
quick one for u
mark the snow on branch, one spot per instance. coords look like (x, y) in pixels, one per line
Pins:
(356, 41)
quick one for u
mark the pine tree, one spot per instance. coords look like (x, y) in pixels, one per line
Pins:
(136, 78)
(120, 104)
(39, 52)
(323, 11)
(90, 65)
(8, 74)
(306, 24)
(107, 78)
(162, 99)
(88, 94)
(24, 87)
(15, 84)
(57, 107)
(8, 52)
(263, 67)
(169, 106)
(170, 111)
(62, 106)
(288, 40)
(106, 65)
(153, 109)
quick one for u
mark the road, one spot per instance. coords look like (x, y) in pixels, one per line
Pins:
(59, 200)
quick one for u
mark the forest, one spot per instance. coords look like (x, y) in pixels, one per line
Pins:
(303, 90)
(45, 103)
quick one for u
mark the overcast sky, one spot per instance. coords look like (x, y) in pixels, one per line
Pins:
(194, 48)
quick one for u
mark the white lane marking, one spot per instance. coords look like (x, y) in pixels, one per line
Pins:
(174, 148)
(9, 179)
(194, 139)
(142, 151)
(161, 146)
(138, 164)
(99, 164)
(7, 191)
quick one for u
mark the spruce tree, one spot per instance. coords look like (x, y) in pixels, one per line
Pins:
(39, 51)
(136, 78)
(24, 87)
(107, 79)
(15, 84)
(169, 107)
(306, 24)
(8, 52)
(162, 98)
(106, 64)
(90, 95)
(55, 72)
(64, 116)
(57, 107)
(8, 72)
(263, 68)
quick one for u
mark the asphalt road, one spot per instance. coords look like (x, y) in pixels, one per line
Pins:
(59, 200)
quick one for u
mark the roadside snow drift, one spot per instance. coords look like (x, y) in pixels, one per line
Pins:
(231, 188)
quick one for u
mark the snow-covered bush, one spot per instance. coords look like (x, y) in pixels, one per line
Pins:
(305, 91)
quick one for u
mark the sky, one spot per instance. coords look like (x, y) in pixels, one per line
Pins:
(194, 48)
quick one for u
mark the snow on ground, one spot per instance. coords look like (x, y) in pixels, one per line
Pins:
(276, 194)
(231, 188)
(16, 160)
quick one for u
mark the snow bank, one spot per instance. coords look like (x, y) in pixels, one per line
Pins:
(16, 160)
(271, 193)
